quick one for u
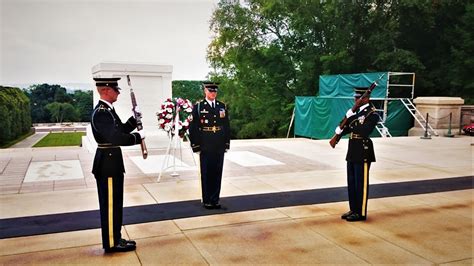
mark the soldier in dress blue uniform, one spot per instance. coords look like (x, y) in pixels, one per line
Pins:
(108, 169)
(210, 136)
(360, 154)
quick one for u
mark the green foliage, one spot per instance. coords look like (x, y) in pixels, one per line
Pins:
(187, 89)
(61, 139)
(62, 112)
(83, 103)
(266, 52)
(42, 95)
(460, 71)
(15, 114)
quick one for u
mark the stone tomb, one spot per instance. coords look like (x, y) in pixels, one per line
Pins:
(151, 85)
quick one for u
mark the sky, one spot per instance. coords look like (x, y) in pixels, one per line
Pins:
(59, 41)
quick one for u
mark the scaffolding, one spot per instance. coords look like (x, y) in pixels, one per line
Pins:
(400, 86)
(314, 116)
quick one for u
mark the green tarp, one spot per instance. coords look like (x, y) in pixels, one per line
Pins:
(317, 117)
(343, 85)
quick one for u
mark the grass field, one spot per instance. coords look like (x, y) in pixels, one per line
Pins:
(61, 139)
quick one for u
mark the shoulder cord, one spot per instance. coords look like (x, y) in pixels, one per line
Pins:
(93, 114)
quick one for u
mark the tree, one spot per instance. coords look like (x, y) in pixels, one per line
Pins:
(459, 72)
(187, 89)
(266, 52)
(44, 94)
(40, 96)
(62, 112)
(83, 101)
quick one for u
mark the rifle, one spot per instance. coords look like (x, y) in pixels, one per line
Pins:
(335, 139)
(137, 117)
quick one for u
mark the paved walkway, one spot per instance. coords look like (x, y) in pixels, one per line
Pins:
(424, 228)
(30, 141)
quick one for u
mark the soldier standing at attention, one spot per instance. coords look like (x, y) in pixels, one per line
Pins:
(360, 154)
(108, 169)
(210, 137)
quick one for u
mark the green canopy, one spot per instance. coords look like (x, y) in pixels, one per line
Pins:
(342, 85)
(317, 117)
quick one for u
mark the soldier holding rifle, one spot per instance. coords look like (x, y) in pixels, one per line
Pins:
(359, 121)
(108, 169)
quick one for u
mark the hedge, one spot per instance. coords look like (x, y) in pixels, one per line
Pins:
(15, 114)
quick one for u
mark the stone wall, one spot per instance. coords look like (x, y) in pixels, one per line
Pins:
(439, 110)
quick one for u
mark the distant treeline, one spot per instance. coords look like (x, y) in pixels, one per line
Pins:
(44, 103)
(52, 103)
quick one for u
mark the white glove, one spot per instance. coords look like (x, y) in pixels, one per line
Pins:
(338, 130)
(142, 133)
(349, 113)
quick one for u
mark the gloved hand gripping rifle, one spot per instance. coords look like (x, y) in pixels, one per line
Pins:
(335, 139)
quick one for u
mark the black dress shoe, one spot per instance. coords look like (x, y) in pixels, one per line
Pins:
(355, 217)
(131, 242)
(208, 206)
(344, 216)
(121, 247)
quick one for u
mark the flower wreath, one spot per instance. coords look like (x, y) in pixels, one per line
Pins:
(167, 115)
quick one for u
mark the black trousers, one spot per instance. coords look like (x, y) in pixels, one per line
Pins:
(111, 205)
(211, 164)
(358, 186)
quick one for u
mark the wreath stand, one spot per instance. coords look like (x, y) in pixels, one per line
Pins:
(174, 145)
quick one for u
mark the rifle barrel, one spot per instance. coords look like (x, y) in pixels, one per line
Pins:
(137, 118)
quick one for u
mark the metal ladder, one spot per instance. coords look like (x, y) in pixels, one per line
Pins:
(418, 116)
(383, 130)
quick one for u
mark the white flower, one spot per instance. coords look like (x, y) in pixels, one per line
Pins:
(167, 111)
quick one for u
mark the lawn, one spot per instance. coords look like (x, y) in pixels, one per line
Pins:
(61, 139)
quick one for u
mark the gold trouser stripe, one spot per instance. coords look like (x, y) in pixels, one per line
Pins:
(199, 175)
(364, 195)
(111, 213)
